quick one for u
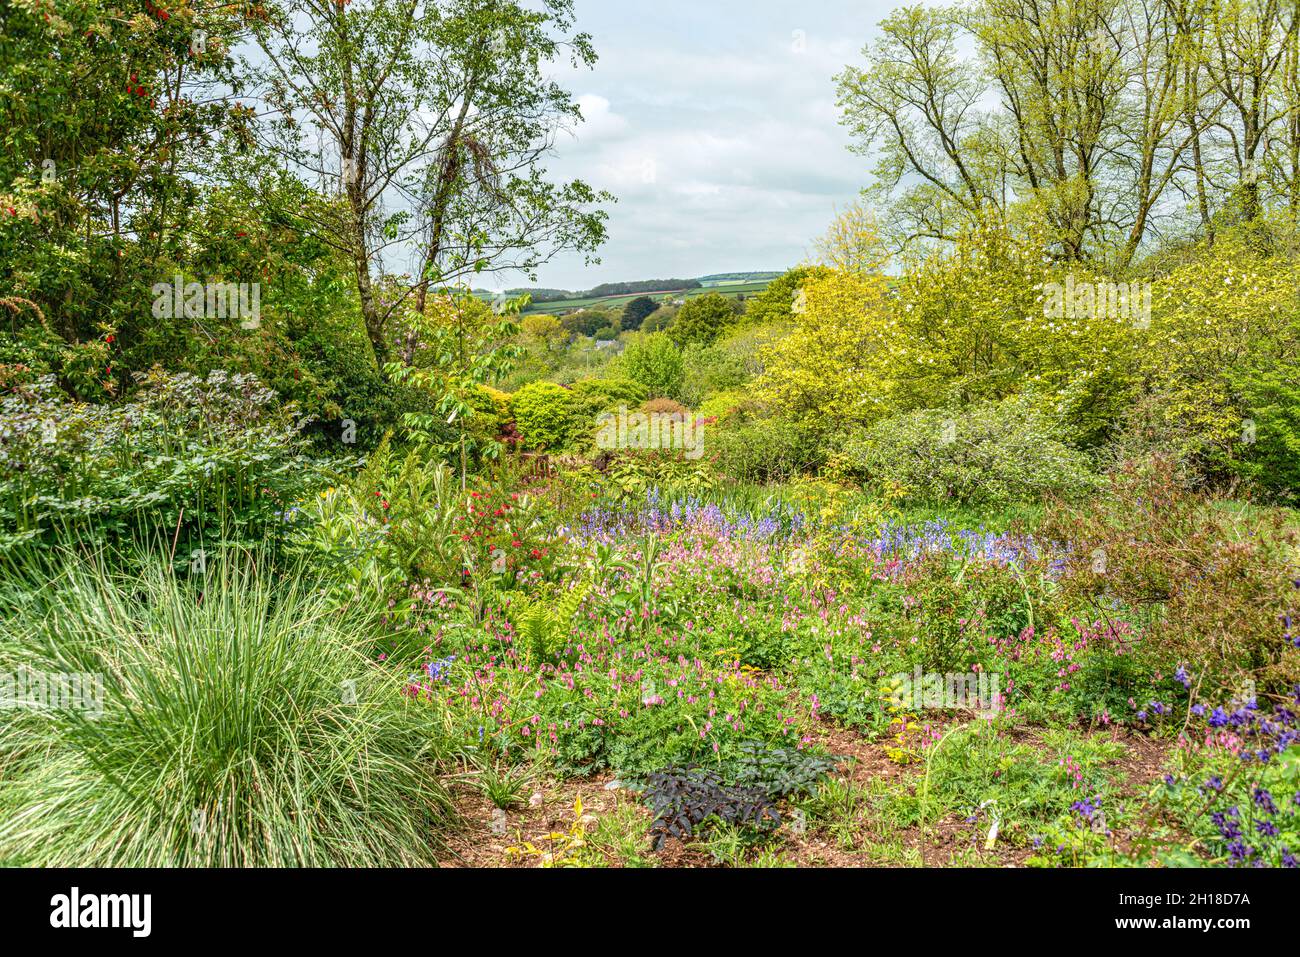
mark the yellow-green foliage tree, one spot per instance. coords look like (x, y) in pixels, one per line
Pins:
(992, 318)
(833, 370)
(775, 304)
(544, 330)
(971, 323)
(1223, 358)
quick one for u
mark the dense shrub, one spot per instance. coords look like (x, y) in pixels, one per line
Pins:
(601, 395)
(1212, 583)
(721, 405)
(1221, 355)
(660, 319)
(655, 362)
(990, 453)
(703, 319)
(1146, 433)
(761, 450)
(709, 370)
(205, 459)
(585, 322)
(664, 407)
(405, 520)
(548, 415)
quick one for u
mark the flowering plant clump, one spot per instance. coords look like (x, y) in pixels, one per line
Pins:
(1236, 782)
(208, 459)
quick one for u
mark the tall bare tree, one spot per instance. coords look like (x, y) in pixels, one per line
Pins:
(434, 118)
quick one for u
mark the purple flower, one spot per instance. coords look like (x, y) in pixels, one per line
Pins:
(1264, 801)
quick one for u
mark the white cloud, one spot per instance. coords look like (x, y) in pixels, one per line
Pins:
(720, 139)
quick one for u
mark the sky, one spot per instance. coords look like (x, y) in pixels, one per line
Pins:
(715, 126)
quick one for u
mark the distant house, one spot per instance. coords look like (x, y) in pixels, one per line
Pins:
(612, 344)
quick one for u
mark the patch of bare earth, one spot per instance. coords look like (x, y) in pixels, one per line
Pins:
(478, 842)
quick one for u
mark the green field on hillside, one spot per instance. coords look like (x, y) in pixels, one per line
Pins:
(562, 306)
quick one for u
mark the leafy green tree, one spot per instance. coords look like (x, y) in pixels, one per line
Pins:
(636, 311)
(430, 121)
(548, 415)
(655, 362)
(703, 319)
(458, 346)
(543, 329)
(109, 121)
(660, 319)
(709, 370)
(585, 322)
(776, 304)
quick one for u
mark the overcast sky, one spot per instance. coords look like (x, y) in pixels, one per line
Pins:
(715, 126)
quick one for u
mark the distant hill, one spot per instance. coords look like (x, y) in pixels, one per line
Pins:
(604, 290)
(726, 278)
(615, 295)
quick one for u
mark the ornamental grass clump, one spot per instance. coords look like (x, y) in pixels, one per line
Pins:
(242, 724)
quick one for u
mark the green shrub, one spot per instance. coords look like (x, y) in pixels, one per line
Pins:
(206, 459)
(761, 450)
(602, 395)
(722, 404)
(989, 453)
(243, 724)
(659, 320)
(1268, 454)
(548, 415)
(775, 304)
(654, 362)
(710, 370)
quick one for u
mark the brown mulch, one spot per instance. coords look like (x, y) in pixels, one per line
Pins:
(474, 844)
